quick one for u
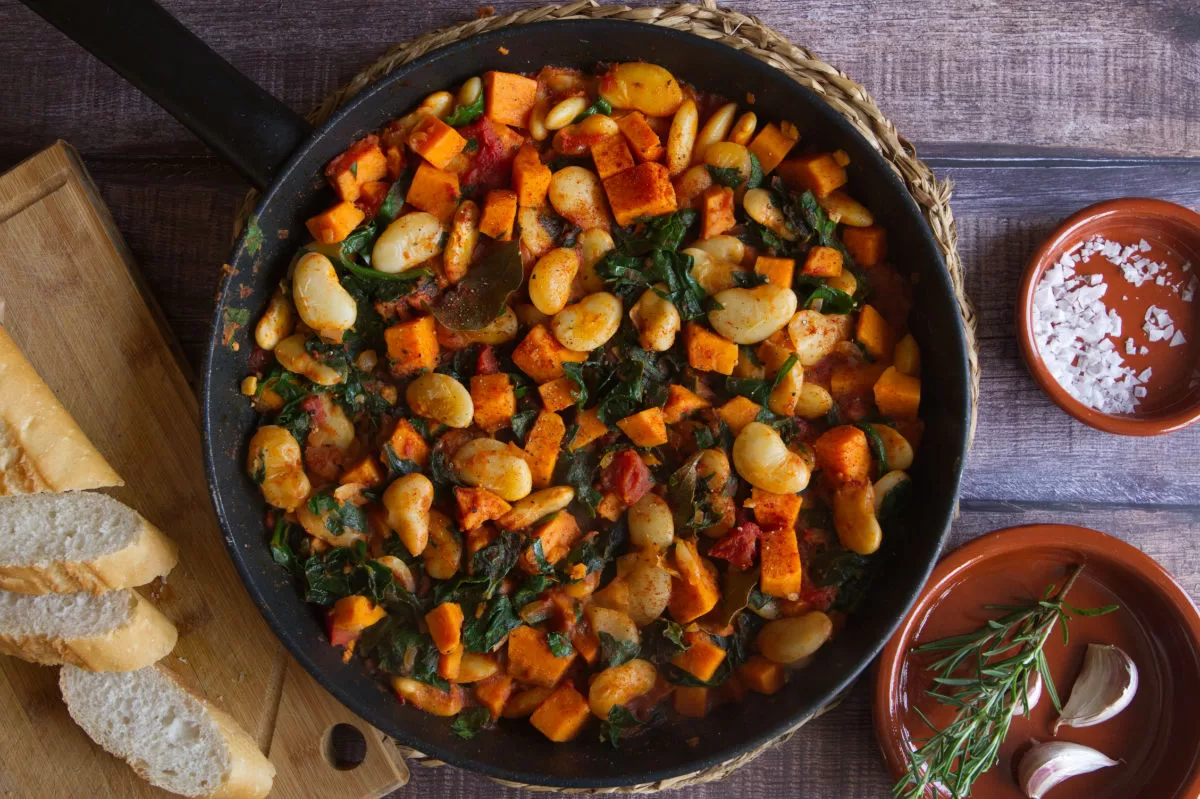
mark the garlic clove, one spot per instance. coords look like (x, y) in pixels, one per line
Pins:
(1105, 687)
(1033, 694)
(1047, 764)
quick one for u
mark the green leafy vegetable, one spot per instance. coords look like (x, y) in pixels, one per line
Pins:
(254, 236)
(389, 209)
(531, 589)
(832, 301)
(595, 552)
(470, 721)
(878, 450)
(560, 647)
(578, 470)
(616, 653)
(281, 547)
(480, 297)
(758, 389)
(522, 422)
(689, 497)
(620, 721)
(482, 633)
(756, 173)
(601, 106)
(465, 114)
(728, 176)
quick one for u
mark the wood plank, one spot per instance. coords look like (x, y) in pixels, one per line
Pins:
(1102, 75)
(836, 755)
(101, 350)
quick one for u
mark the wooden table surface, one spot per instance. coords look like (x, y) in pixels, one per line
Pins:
(1033, 109)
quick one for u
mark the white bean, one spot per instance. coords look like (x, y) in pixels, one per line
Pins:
(886, 484)
(409, 241)
(656, 319)
(460, 245)
(500, 330)
(715, 129)
(400, 571)
(788, 640)
(651, 524)
(407, 501)
(589, 323)
(643, 87)
(276, 323)
(537, 120)
(321, 301)
(786, 394)
(551, 279)
(276, 463)
(612, 622)
(813, 336)
(713, 274)
(854, 518)
(726, 248)
(813, 401)
(748, 316)
(681, 138)
(536, 506)
(292, 356)
(896, 449)
(577, 195)
(443, 554)
(762, 459)
(743, 129)
(649, 585)
(440, 104)
(489, 464)
(315, 524)
(469, 92)
(761, 208)
(564, 113)
(843, 208)
(534, 235)
(441, 398)
(620, 685)
(594, 244)
(334, 428)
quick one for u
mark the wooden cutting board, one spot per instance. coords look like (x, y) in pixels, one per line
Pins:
(73, 301)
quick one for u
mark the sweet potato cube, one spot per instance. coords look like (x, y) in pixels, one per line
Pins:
(476, 540)
(843, 455)
(907, 356)
(557, 534)
(774, 510)
(691, 702)
(542, 447)
(611, 507)
(436, 142)
(530, 177)
(645, 428)
(371, 196)
(408, 444)
(739, 412)
(866, 245)
(563, 715)
(611, 156)
(819, 173)
(781, 571)
(530, 659)
(823, 262)
(494, 692)
(586, 643)
(435, 191)
(762, 676)
(590, 428)
(449, 663)
(362, 162)
(774, 352)
(708, 351)
(558, 394)
(499, 213)
(355, 613)
(540, 356)
(701, 659)
(645, 190)
(778, 271)
(334, 225)
(773, 143)
(509, 98)
(366, 471)
(494, 399)
(694, 591)
(716, 211)
(412, 346)
(478, 505)
(875, 334)
(681, 402)
(898, 395)
(646, 144)
(852, 379)
(445, 626)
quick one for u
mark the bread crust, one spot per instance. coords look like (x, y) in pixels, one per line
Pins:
(151, 555)
(144, 640)
(41, 446)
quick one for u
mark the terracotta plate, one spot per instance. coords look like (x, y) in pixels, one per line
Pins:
(1157, 737)
(1172, 401)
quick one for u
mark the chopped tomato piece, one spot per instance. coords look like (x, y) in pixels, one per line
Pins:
(738, 546)
(627, 476)
(486, 363)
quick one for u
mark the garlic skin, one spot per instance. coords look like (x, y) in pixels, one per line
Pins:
(1047, 764)
(1105, 687)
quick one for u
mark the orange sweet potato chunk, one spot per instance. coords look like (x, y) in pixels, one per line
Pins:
(362, 162)
(708, 351)
(819, 173)
(590, 428)
(436, 142)
(408, 444)
(478, 505)
(716, 211)
(739, 412)
(866, 245)
(412, 346)
(499, 213)
(531, 661)
(898, 395)
(366, 471)
(645, 190)
(494, 692)
(540, 356)
(681, 402)
(773, 143)
(611, 156)
(494, 399)
(531, 178)
(557, 534)
(701, 659)
(778, 271)
(850, 379)
(558, 394)
(694, 591)
(875, 334)
(450, 663)
(355, 613)
(781, 572)
(509, 98)
(775, 510)
(563, 715)
(823, 262)
(645, 428)
(761, 675)
(646, 144)
(445, 626)
(842, 453)
(334, 225)
(691, 702)
(542, 447)
(434, 191)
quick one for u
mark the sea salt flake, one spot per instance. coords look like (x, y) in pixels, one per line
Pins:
(1178, 340)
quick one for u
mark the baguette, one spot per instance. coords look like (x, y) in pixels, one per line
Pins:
(41, 446)
(117, 631)
(173, 739)
(60, 543)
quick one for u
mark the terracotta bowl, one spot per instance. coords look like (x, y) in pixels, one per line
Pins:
(1156, 738)
(1173, 232)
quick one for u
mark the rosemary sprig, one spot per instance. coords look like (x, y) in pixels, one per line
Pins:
(985, 674)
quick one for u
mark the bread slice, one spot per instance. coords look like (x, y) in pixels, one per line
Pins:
(172, 738)
(41, 446)
(78, 542)
(117, 631)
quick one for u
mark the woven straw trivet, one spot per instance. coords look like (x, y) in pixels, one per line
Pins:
(748, 34)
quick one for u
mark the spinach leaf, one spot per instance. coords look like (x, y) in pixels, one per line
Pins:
(470, 721)
(688, 496)
(617, 726)
(756, 173)
(396, 465)
(389, 209)
(559, 645)
(748, 280)
(664, 232)
(596, 551)
(728, 176)
(465, 114)
(522, 423)
(574, 371)
(758, 389)
(578, 470)
(833, 301)
(531, 589)
(601, 106)
(493, 563)
(483, 632)
(281, 546)
(338, 515)
(895, 502)
(480, 297)
(616, 653)
(877, 448)
(359, 241)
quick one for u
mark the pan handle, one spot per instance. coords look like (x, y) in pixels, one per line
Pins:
(233, 115)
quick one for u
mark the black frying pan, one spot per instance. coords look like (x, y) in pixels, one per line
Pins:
(283, 156)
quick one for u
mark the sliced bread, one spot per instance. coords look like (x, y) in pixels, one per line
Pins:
(172, 738)
(41, 446)
(78, 542)
(117, 631)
